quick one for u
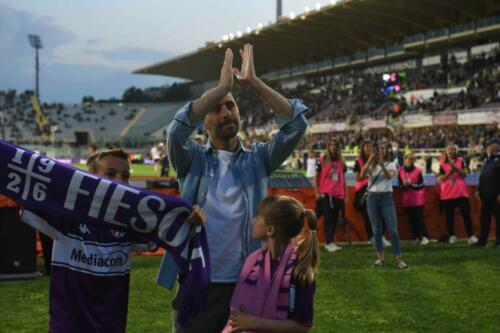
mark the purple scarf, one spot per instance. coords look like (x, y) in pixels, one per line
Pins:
(63, 192)
(260, 293)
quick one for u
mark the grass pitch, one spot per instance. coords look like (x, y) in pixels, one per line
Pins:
(450, 288)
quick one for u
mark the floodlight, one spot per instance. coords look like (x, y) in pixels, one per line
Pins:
(35, 41)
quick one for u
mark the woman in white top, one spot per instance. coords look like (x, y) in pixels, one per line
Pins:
(380, 171)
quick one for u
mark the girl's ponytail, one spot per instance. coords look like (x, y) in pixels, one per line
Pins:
(307, 252)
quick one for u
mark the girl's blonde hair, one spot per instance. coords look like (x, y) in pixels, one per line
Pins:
(287, 215)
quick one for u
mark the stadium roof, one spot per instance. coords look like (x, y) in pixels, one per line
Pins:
(336, 30)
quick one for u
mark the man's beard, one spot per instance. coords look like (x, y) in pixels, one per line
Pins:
(226, 132)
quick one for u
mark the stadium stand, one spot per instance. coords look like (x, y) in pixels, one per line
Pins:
(101, 122)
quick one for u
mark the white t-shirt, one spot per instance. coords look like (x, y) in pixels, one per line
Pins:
(225, 211)
(155, 153)
(311, 168)
(382, 184)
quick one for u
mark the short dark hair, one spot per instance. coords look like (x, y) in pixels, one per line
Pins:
(93, 160)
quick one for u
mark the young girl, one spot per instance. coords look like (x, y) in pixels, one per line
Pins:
(276, 286)
(330, 189)
(379, 169)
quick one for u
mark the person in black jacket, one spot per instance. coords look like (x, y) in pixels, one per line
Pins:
(489, 192)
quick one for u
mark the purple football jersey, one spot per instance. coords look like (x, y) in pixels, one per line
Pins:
(90, 276)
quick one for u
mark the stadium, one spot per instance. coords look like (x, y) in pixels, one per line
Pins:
(417, 77)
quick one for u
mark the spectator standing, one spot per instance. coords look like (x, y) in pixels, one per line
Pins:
(489, 192)
(412, 182)
(453, 192)
(330, 190)
(380, 170)
(311, 166)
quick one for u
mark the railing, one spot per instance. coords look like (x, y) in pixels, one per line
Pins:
(487, 21)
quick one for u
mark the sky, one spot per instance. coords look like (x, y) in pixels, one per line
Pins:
(91, 47)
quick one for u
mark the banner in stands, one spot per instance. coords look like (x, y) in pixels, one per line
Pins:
(417, 120)
(398, 66)
(373, 123)
(476, 118)
(320, 128)
(339, 127)
(445, 119)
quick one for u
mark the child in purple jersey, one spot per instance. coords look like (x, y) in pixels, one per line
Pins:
(90, 265)
(276, 286)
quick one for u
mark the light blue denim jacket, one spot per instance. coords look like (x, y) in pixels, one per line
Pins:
(196, 165)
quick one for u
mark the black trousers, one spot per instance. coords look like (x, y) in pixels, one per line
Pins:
(416, 219)
(489, 207)
(464, 206)
(330, 207)
(214, 320)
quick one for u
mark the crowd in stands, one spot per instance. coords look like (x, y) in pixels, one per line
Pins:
(347, 96)
(417, 138)
(356, 93)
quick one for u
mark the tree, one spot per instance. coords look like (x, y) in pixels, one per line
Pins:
(177, 92)
(134, 95)
(88, 99)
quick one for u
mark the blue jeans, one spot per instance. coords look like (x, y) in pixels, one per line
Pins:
(381, 204)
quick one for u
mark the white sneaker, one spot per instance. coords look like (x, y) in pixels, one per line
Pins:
(370, 241)
(336, 247)
(424, 241)
(402, 265)
(452, 239)
(386, 242)
(329, 247)
(472, 240)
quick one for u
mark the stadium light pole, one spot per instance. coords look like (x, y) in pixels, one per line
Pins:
(36, 43)
(279, 10)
